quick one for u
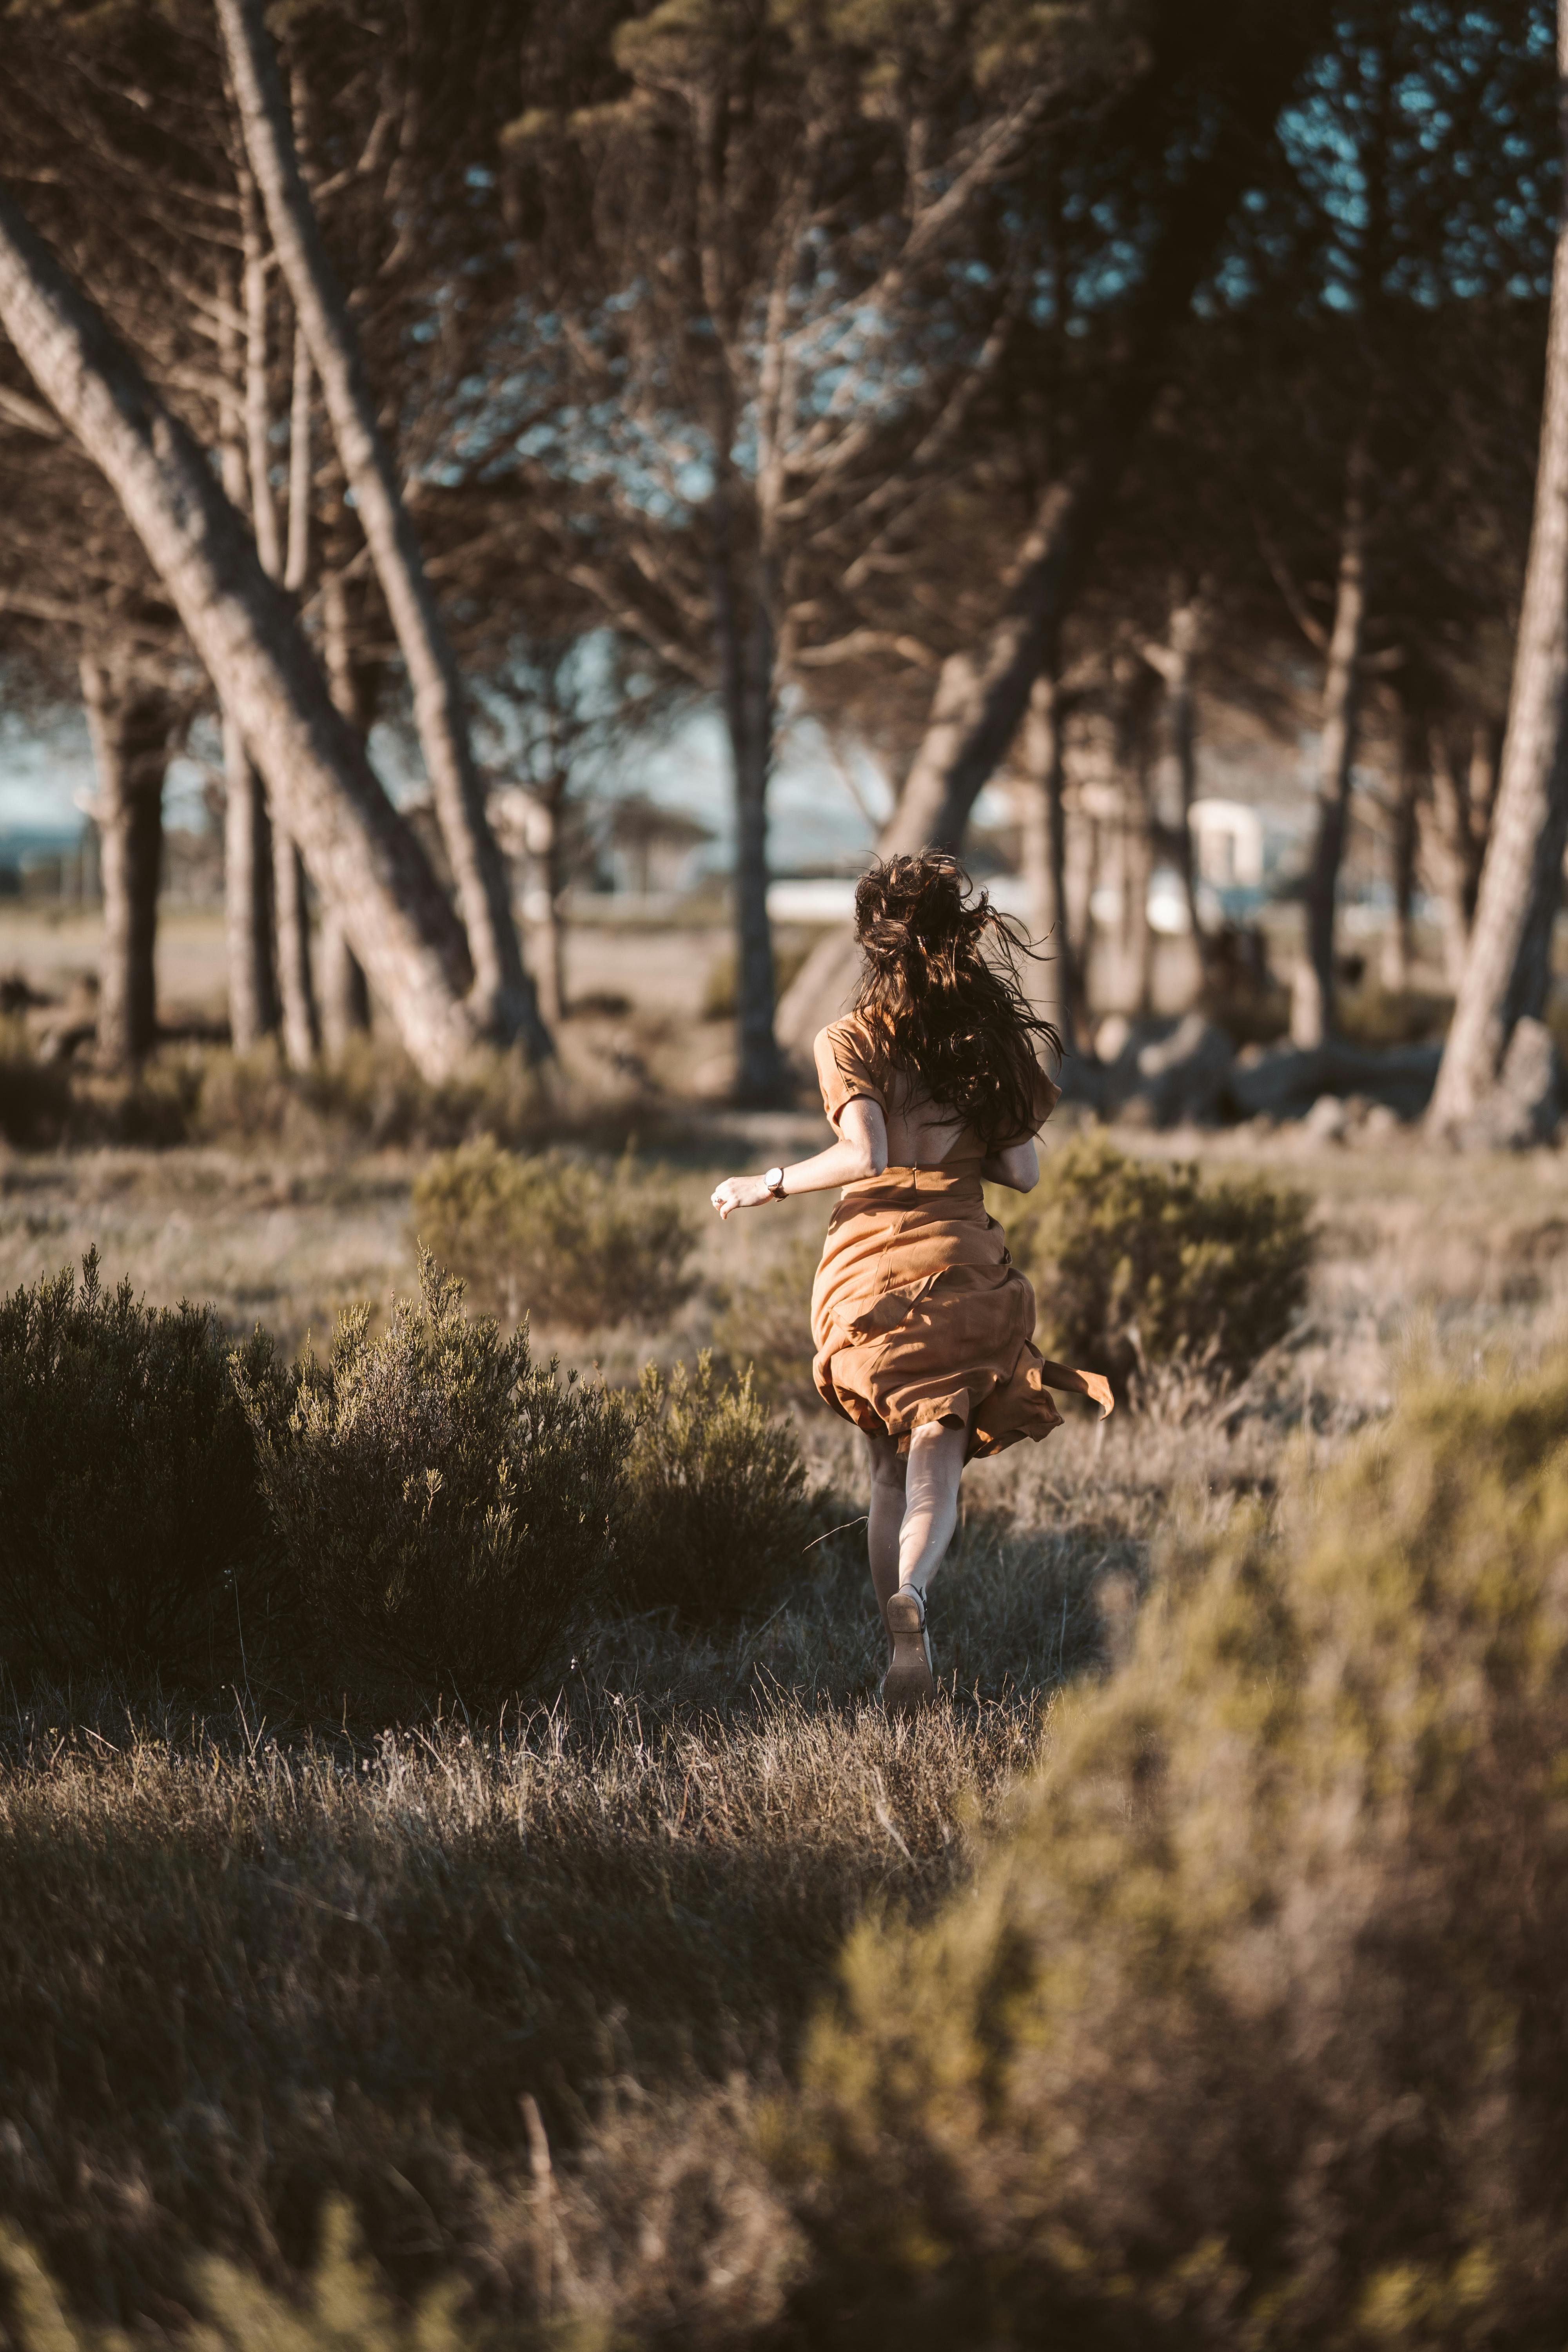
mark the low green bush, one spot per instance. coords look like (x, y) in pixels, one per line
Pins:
(569, 1240)
(714, 1513)
(1137, 1264)
(1251, 2031)
(440, 1503)
(35, 1096)
(128, 1493)
(370, 1094)
(350, 2307)
(765, 1324)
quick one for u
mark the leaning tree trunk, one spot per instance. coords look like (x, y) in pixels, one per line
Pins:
(341, 993)
(247, 828)
(1312, 999)
(363, 858)
(503, 994)
(1509, 963)
(128, 721)
(982, 692)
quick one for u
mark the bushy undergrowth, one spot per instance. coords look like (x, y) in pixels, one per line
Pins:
(714, 1513)
(765, 1324)
(370, 1094)
(45, 1104)
(1252, 2030)
(1137, 1264)
(570, 1241)
(430, 1507)
(348, 2307)
(368, 1097)
(127, 1482)
(35, 1096)
(441, 1504)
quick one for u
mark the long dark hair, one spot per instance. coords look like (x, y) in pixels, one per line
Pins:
(941, 992)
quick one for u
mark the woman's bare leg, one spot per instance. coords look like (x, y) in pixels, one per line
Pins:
(934, 1467)
(885, 1517)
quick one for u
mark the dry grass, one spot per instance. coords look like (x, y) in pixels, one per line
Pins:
(247, 1963)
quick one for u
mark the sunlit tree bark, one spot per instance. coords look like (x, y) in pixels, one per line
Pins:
(363, 858)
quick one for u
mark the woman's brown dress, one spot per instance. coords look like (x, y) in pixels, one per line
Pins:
(918, 1312)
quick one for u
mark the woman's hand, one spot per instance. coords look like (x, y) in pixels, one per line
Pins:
(1097, 1386)
(740, 1193)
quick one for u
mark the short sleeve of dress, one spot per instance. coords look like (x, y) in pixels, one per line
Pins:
(844, 1070)
(1048, 1094)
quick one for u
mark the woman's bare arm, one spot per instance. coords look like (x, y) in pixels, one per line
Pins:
(861, 1150)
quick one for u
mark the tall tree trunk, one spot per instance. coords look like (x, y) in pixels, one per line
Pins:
(552, 884)
(343, 996)
(247, 896)
(1044, 813)
(363, 859)
(1312, 999)
(1509, 963)
(981, 693)
(297, 554)
(247, 829)
(129, 725)
(258, 412)
(1176, 662)
(1456, 846)
(746, 662)
(760, 1076)
(290, 905)
(296, 989)
(1134, 727)
(504, 998)
(1397, 948)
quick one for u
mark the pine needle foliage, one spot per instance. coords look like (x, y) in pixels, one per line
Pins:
(127, 1503)
(715, 1514)
(568, 1241)
(1251, 2032)
(441, 1502)
(1135, 1264)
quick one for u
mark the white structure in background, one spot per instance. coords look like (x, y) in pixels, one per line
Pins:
(1234, 851)
(1230, 844)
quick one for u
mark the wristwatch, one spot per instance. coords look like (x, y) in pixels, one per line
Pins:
(773, 1179)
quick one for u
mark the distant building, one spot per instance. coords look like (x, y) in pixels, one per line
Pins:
(653, 851)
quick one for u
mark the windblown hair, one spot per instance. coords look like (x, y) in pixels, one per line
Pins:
(941, 993)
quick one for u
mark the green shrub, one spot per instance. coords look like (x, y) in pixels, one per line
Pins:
(128, 1494)
(441, 1502)
(370, 1094)
(566, 1240)
(349, 2309)
(1251, 2032)
(35, 1096)
(714, 1514)
(1136, 1264)
(765, 1325)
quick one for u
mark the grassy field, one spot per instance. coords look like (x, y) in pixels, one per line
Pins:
(525, 1993)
